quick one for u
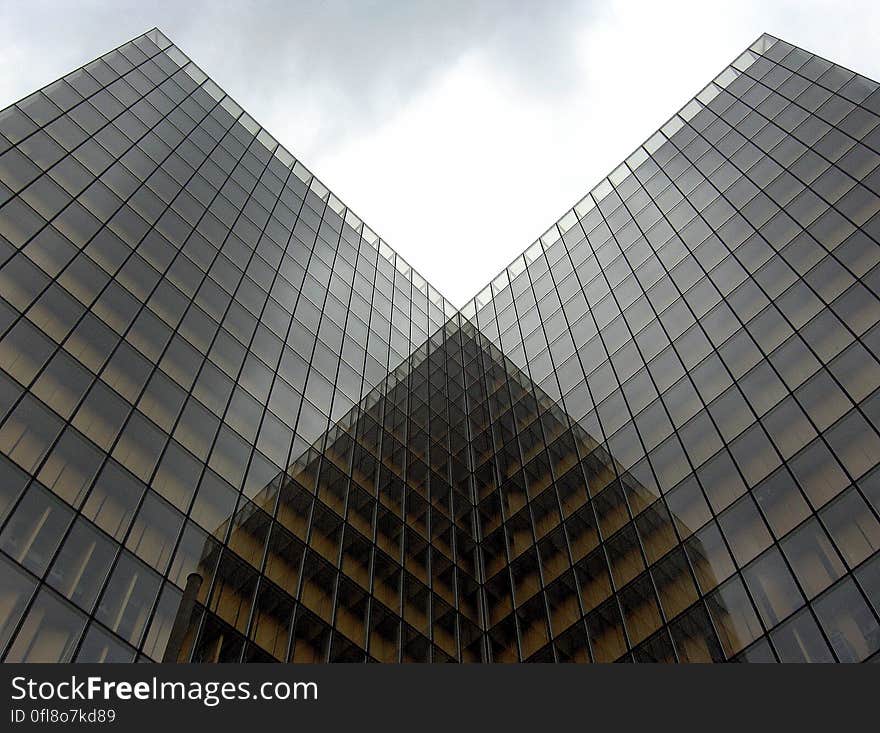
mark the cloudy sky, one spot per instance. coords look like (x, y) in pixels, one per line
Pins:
(458, 130)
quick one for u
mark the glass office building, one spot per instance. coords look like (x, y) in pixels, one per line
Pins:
(235, 425)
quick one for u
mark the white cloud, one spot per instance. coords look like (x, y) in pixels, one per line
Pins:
(469, 171)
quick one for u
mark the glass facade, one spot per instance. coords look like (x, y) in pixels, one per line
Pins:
(235, 425)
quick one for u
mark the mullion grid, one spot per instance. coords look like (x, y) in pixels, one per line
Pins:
(534, 545)
(553, 635)
(698, 392)
(214, 439)
(244, 501)
(84, 98)
(108, 452)
(692, 471)
(521, 431)
(618, 478)
(750, 405)
(797, 72)
(230, 301)
(230, 172)
(344, 526)
(819, 433)
(552, 487)
(144, 496)
(632, 515)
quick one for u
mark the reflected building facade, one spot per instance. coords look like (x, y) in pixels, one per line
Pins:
(236, 426)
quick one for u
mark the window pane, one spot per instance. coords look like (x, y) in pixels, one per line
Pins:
(49, 633)
(772, 587)
(849, 623)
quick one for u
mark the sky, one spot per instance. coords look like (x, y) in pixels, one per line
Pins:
(459, 131)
